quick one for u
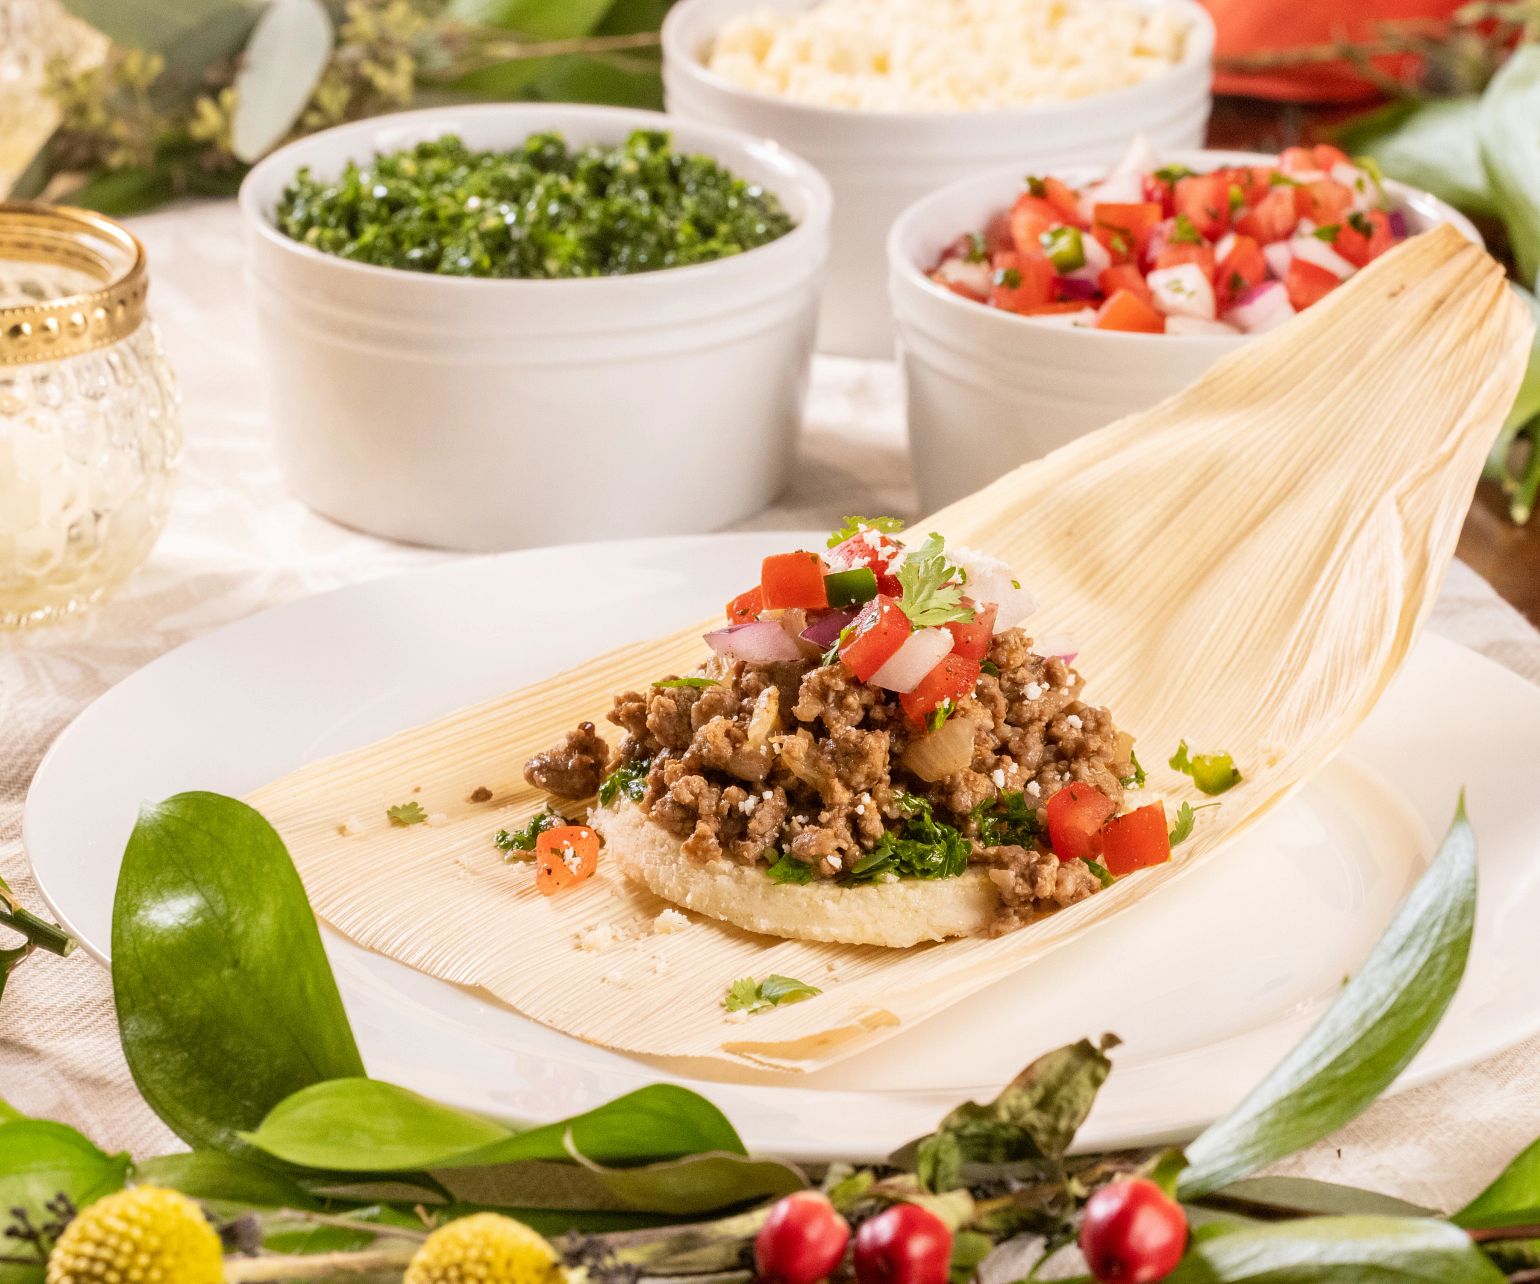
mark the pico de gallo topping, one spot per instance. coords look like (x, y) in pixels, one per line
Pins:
(1166, 250)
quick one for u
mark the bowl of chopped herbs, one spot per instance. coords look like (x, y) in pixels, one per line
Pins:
(499, 326)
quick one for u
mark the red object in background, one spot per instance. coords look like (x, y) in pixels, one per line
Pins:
(1263, 26)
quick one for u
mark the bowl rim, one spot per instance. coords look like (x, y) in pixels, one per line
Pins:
(901, 266)
(803, 240)
(1197, 56)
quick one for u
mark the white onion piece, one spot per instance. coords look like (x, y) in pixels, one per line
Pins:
(1183, 291)
(1314, 250)
(1223, 246)
(757, 642)
(1366, 192)
(991, 580)
(1197, 325)
(1279, 254)
(1118, 189)
(1140, 159)
(975, 278)
(1097, 260)
(1057, 646)
(942, 753)
(1262, 308)
(922, 651)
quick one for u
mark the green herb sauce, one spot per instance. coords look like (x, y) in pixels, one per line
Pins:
(542, 210)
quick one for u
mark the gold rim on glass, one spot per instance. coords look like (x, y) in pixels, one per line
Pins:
(71, 323)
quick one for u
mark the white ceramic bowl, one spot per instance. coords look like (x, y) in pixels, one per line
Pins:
(986, 390)
(495, 414)
(879, 162)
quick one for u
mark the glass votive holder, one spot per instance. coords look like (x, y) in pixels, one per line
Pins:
(89, 433)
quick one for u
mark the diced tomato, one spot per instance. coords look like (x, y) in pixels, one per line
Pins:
(564, 857)
(1065, 199)
(1205, 199)
(1243, 267)
(1125, 310)
(956, 286)
(1324, 201)
(1124, 230)
(1158, 190)
(1175, 253)
(1326, 156)
(1022, 281)
(997, 233)
(1123, 276)
(876, 633)
(873, 550)
(793, 579)
(952, 679)
(1297, 160)
(1136, 841)
(1384, 238)
(1254, 181)
(1031, 216)
(1059, 306)
(1352, 244)
(971, 640)
(746, 606)
(1273, 218)
(1306, 284)
(1076, 815)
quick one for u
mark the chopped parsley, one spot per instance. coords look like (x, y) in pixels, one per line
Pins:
(978, 250)
(833, 653)
(1280, 179)
(748, 995)
(940, 714)
(1186, 814)
(1185, 233)
(1213, 773)
(404, 814)
(629, 780)
(1171, 173)
(1009, 277)
(989, 667)
(693, 683)
(1237, 198)
(1327, 232)
(1361, 223)
(513, 841)
(1035, 186)
(788, 869)
(852, 526)
(922, 847)
(1006, 821)
(1135, 781)
(932, 586)
(1237, 282)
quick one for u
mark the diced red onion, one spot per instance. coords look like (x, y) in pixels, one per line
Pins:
(825, 630)
(1057, 646)
(921, 652)
(1070, 287)
(1398, 224)
(1261, 308)
(757, 642)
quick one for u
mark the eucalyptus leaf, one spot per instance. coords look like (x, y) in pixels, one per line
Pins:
(699, 1183)
(1526, 406)
(1372, 1029)
(1512, 1200)
(189, 34)
(1510, 151)
(125, 191)
(536, 19)
(226, 1003)
(215, 1177)
(1337, 1250)
(1432, 145)
(1306, 1197)
(40, 1161)
(528, 1183)
(288, 50)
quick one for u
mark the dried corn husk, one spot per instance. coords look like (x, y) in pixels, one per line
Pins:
(1246, 566)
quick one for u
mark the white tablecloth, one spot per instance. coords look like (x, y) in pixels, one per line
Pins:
(237, 542)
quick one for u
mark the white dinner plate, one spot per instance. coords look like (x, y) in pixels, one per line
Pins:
(1208, 982)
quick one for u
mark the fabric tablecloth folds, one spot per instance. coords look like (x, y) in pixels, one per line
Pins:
(237, 543)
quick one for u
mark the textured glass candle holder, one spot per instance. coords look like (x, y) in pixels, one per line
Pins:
(89, 435)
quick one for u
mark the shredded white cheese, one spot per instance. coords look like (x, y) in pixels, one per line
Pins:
(437, 818)
(669, 922)
(598, 938)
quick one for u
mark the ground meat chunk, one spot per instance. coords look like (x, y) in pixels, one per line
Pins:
(574, 768)
(1031, 881)
(832, 695)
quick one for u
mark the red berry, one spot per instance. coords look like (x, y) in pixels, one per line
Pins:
(1133, 1233)
(904, 1244)
(801, 1241)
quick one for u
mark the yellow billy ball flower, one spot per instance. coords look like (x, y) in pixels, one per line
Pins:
(144, 1234)
(484, 1248)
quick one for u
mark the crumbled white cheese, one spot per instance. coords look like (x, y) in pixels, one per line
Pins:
(767, 795)
(748, 804)
(1034, 788)
(1075, 721)
(669, 922)
(998, 776)
(436, 818)
(352, 827)
(598, 938)
(835, 863)
(571, 860)
(1033, 691)
(659, 964)
(738, 1017)
(860, 809)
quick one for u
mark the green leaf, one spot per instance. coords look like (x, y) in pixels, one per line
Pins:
(693, 683)
(282, 63)
(1374, 1027)
(1432, 145)
(9, 1113)
(214, 1177)
(854, 525)
(407, 813)
(1510, 153)
(539, 19)
(932, 586)
(788, 869)
(126, 191)
(1305, 1197)
(1526, 406)
(748, 995)
(1337, 1250)
(191, 34)
(1512, 1200)
(696, 1184)
(39, 1161)
(226, 1003)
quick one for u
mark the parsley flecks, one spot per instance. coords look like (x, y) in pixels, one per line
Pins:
(1327, 232)
(539, 209)
(1185, 233)
(1035, 186)
(1006, 821)
(748, 995)
(1009, 277)
(1360, 223)
(1171, 173)
(1135, 781)
(932, 588)
(1213, 773)
(788, 869)
(1279, 179)
(629, 780)
(833, 653)
(978, 251)
(850, 527)
(514, 842)
(989, 667)
(692, 683)
(404, 814)
(940, 714)
(1186, 814)
(1237, 198)
(922, 847)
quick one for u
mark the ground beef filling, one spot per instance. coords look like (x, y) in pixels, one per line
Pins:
(801, 758)
(574, 768)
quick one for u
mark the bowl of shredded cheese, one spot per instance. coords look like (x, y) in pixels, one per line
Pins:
(893, 99)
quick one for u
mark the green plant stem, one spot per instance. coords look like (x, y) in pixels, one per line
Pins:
(39, 932)
(353, 1224)
(318, 1266)
(1497, 1234)
(484, 49)
(1522, 506)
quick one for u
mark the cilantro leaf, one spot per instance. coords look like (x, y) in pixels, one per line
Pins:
(1135, 781)
(1035, 186)
(1009, 277)
(693, 683)
(629, 780)
(1359, 222)
(747, 995)
(1102, 873)
(512, 842)
(852, 526)
(1213, 773)
(978, 251)
(989, 667)
(1327, 232)
(404, 814)
(940, 714)
(921, 847)
(1186, 814)
(932, 588)
(1171, 173)
(1185, 233)
(1006, 821)
(1280, 179)
(788, 869)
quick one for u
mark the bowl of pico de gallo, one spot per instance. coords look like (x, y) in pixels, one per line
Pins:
(1033, 310)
